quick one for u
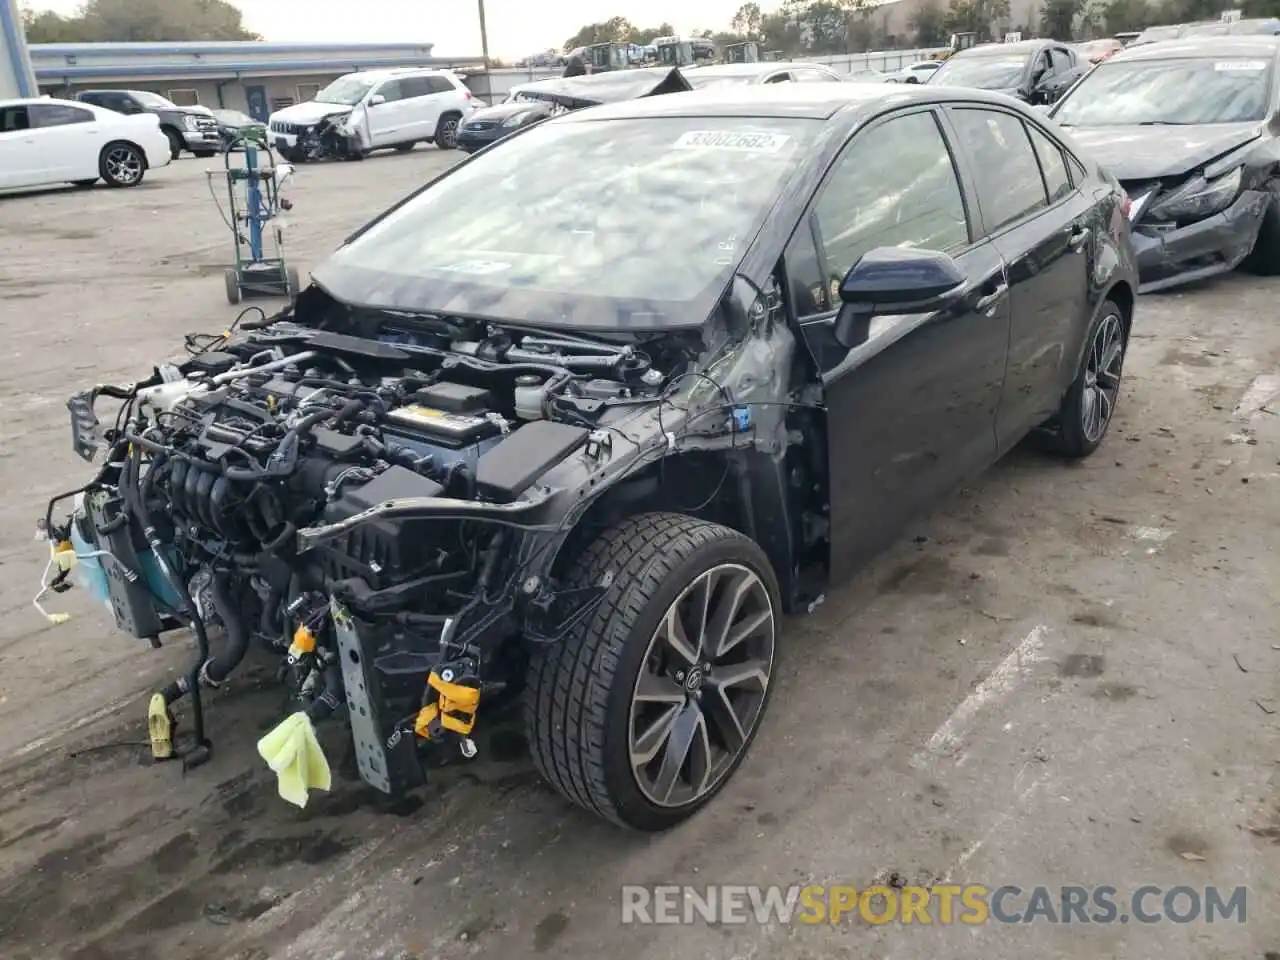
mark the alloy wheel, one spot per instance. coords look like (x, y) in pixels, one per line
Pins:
(1102, 372)
(448, 135)
(701, 686)
(124, 166)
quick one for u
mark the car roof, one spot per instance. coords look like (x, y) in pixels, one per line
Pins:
(1007, 49)
(1243, 45)
(751, 69)
(816, 101)
(26, 101)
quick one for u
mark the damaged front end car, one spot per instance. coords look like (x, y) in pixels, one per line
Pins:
(425, 489)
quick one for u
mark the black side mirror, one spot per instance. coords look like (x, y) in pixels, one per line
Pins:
(895, 280)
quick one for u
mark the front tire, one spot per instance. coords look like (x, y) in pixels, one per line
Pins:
(642, 713)
(176, 143)
(121, 164)
(1090, 401)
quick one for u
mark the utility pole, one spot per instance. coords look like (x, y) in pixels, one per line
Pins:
(484, 52)
(484, 36)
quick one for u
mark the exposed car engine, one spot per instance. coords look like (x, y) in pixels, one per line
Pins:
(380, 513)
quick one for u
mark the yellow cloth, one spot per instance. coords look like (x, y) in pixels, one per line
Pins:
(294, 753)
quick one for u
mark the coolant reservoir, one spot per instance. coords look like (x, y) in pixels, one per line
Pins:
(529, 397)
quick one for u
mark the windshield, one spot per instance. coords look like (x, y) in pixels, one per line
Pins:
(990, 72)
(630, 223)
(148, 99)
(1183, 91)
(234, 116)
(345, 90)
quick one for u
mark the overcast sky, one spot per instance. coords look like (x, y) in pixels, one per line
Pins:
(516, 27)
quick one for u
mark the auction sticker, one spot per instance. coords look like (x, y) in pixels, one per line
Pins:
(1231, 66)
(728, 140)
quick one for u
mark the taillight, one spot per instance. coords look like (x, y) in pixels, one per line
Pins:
(467, 94)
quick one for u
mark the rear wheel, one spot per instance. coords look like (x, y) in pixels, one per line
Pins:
(644, 711)
(1091, 400)
(206, 154)
(404, 147)
(446, 137)
(121, 164)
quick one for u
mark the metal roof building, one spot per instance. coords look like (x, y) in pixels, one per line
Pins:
(251, 76)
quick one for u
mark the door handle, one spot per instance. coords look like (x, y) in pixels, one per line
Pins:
(986, 304)
(1078, 236)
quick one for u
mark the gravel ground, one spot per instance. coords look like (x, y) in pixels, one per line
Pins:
(1065, 675)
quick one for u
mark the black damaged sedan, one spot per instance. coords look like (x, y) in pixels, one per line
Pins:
(1189, 128)
(584, 416)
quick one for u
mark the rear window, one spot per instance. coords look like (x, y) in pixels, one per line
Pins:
(1185, 90)
(986, 71)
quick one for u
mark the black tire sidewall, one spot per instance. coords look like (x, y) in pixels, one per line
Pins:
(176, 144)
(450, 142)
(1073, 441)
(631, 805)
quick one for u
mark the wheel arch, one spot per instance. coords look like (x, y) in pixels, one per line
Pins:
(142, 153)
(750, 492)
(1122, 294)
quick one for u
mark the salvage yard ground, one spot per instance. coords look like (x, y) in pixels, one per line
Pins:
(1068, 675)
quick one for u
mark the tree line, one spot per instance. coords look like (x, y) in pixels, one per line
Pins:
(138, 21)
(824, 27)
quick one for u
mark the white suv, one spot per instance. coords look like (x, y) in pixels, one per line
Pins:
(387, 108)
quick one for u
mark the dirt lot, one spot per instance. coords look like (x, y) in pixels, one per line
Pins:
(1064, 676)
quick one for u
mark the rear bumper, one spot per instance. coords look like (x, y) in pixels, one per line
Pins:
(157, 149)
(1217, 244)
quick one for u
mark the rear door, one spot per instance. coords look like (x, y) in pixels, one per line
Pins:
(20, 164)
(439, 95)
(911, 406)
(1039, 220)
(67, 140)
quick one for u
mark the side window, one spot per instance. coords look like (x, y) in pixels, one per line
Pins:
(1004, 164)
(1061, 60)
(895, 185)
(14, 119)
(58, 115)
(439, 85)
(1052, 164)
(1078, 174)
(95, 98)
(411, 87)
(783, 77)
(811, 76)
(390, 91)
